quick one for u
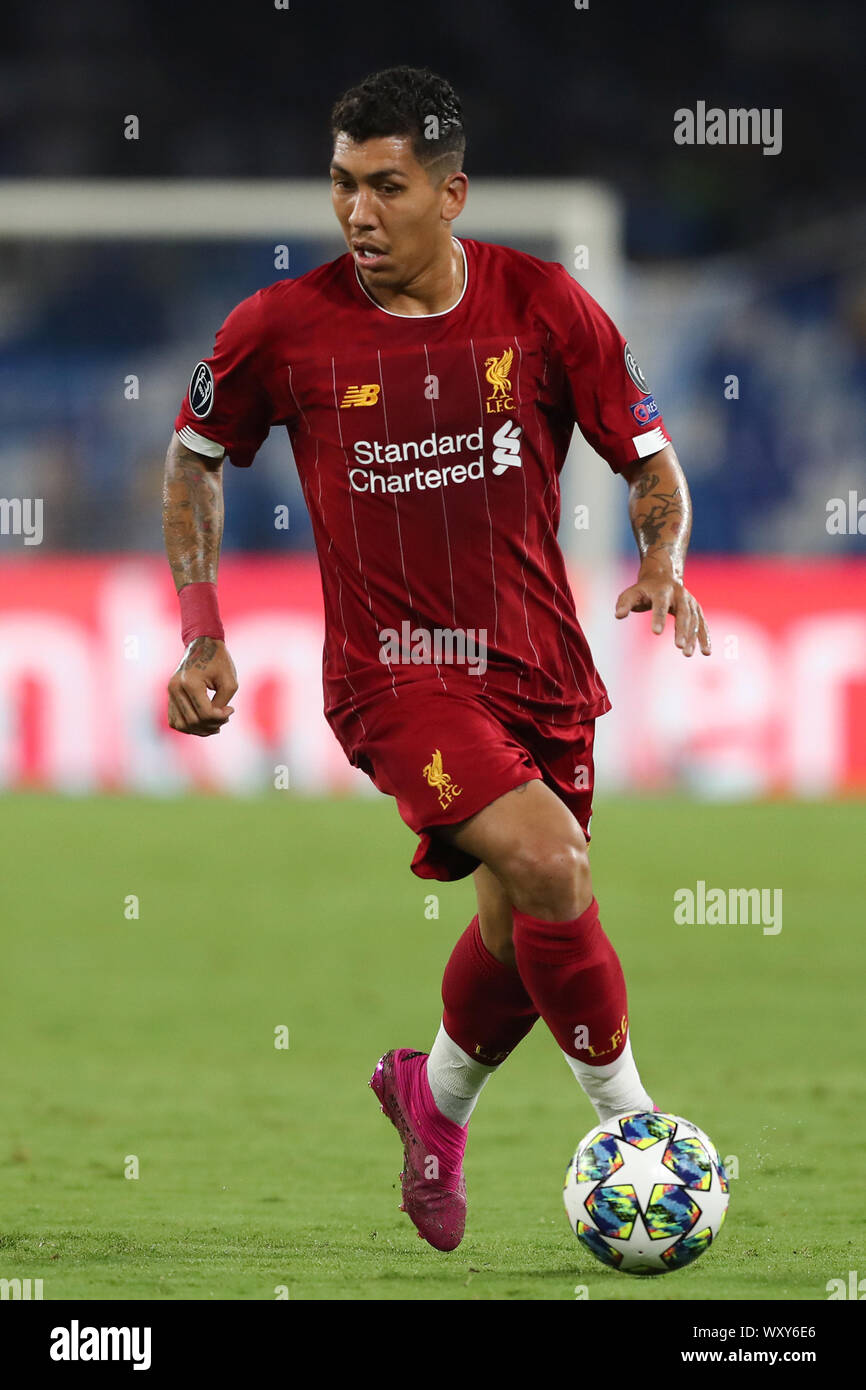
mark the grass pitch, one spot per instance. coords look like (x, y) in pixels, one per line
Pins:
(147, 1044)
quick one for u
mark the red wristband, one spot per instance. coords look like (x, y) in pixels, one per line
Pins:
(199, 613)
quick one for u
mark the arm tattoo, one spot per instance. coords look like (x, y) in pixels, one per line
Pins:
(204, 649)
(661, 514)
(645, 485)
(664, 507)
(192, 516)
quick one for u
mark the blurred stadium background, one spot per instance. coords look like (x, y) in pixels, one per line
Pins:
(739, 279)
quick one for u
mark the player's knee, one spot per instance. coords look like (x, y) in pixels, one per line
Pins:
(550, 880)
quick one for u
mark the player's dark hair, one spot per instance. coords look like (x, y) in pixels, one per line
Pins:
(406, 101)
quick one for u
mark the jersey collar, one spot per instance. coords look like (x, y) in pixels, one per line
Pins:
(442, 312)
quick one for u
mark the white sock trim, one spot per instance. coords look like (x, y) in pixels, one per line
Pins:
(614, 1086)
(455, 1078)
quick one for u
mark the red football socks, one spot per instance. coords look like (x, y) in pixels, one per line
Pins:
(487, 1010)
(572, 974)
(567, 972)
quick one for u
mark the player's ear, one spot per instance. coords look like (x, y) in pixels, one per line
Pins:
(454, 186)
(457, 184)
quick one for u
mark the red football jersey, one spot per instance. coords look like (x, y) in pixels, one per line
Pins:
(429, 450)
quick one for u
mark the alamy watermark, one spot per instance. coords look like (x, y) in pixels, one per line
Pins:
(439, 646)
(729, 907)
(854, 1289)
(77, 1343)
(22, 516)
(846, 516)
(20, 1289)
(736, 126)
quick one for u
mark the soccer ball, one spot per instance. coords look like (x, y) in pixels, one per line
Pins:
(646, 1192)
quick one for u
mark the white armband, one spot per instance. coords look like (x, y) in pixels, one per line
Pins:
(199, 444)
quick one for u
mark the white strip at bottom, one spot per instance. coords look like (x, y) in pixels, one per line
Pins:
(199, 444)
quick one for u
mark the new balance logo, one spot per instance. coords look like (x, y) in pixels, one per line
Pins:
(361, 395)
(506, 452)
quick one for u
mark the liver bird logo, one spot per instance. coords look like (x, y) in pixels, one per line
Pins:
(440, 780)
(498, 374)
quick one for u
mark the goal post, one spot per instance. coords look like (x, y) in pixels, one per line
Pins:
(574, 221)
(579, 220)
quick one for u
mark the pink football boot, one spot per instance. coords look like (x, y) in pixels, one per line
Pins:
(434, 1188)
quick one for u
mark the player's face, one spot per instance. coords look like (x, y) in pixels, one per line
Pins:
(393, 217)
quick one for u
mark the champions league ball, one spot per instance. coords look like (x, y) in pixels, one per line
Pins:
(646, 1192)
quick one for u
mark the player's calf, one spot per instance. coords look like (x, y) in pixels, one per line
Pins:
(565, 962)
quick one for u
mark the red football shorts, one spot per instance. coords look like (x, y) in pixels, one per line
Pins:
(444, 756)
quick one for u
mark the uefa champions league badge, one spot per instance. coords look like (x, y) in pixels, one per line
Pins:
(201, 390)
(634, 370)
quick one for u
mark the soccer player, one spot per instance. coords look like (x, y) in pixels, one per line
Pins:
(430, 386)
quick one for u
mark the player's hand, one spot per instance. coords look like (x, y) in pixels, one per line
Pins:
(206, 665)
(660, 591)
